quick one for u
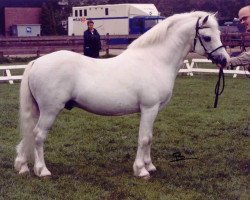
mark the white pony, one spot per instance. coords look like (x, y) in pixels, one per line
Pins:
(141, 79)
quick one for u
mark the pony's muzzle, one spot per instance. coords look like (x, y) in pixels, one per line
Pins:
(220, 59)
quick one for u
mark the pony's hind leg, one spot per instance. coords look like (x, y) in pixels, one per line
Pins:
(29, 113)
(45, 122)
(143, 163)
(22, 157)
(26, 146)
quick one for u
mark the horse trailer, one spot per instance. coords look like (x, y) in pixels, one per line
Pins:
(117, 19)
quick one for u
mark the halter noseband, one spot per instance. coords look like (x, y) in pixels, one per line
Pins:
(197, 36)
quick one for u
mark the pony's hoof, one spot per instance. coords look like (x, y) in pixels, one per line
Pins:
(42, 171)
(21, 166)
(150, 168)
(24, 170)
(142, 173)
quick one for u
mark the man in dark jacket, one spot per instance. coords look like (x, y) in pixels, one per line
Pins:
(92, 43)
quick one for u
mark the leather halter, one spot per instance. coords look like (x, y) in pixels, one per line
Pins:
(210, 57)
(197, 36)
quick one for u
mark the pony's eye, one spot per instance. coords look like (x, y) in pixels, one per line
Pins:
(206, 38)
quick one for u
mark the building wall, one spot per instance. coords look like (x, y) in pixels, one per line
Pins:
(15, 16)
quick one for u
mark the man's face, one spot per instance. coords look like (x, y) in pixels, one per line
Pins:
(244, 16)
(91, 26)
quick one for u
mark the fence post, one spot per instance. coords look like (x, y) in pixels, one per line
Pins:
(38, 53)
(8, 74)
(107, 43)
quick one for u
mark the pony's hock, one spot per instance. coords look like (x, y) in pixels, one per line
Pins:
(141, 79)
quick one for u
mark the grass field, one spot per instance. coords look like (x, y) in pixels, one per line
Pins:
(91, 156)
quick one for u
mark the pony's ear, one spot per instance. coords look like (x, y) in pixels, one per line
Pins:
(205, 20)
(215, 14)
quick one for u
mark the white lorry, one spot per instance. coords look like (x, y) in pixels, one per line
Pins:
(116, 19)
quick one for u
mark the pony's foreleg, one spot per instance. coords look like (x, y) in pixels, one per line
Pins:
(147, 158)
(41, 130)
(143, 163)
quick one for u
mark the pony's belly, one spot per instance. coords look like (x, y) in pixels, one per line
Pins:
(110, 108)
(110, 112)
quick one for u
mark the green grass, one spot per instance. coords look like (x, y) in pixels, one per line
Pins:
(91, 156)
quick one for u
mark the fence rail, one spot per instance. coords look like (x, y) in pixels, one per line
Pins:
(188, 68)
(6, 73)
(46, 44)
(193, 67)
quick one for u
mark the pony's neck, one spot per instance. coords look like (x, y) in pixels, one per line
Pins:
(177, 45)
(181, 41)
(169, 42)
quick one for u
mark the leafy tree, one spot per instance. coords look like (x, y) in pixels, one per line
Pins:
(48, 24)
(51, 18)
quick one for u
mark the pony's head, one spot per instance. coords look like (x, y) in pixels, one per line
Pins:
(207, 39)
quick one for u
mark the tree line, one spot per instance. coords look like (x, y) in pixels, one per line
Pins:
(55, 11)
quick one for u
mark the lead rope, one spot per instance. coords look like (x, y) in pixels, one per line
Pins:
(217, 87)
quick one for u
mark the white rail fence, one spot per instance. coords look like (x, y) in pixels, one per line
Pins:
(6, 73)
(193, 67)
(189, 68)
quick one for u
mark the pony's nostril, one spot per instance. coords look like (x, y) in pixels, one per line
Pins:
(220, 60)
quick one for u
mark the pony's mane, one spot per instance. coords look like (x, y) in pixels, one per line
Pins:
(160, 31)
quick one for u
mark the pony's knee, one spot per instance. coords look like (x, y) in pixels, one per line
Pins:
(145, 141)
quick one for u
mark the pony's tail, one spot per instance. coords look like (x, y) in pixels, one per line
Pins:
(29, 113)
